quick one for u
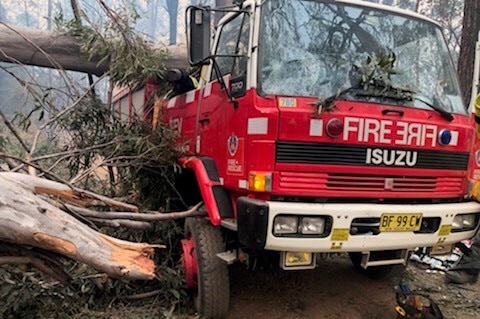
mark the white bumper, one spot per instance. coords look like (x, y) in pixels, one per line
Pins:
(343, 215)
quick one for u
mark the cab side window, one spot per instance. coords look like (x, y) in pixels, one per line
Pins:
(233, 40)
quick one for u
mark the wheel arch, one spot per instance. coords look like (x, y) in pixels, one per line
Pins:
(215, 197)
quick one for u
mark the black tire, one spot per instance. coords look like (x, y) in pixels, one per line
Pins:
(374, 272)
(212, 296)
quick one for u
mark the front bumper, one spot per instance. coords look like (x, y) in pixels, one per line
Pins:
(255, 226)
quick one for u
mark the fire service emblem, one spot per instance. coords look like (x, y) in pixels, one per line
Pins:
(232, 145)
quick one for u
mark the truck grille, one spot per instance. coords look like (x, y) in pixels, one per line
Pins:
(342, 154)
(295, 181)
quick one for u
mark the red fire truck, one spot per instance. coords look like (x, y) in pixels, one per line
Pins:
(320, 127)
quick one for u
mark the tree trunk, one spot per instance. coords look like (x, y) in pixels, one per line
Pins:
(2, 13)
(153, 16)
(27, 219)
(172, 7)
(53, 49)
(49, 15)
(44, 48)
(471, 27)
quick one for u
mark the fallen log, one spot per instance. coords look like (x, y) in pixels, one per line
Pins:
(53, 49)
(44, 48)
(27, 219)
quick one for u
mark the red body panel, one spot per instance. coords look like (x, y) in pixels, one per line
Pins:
(218, 120)
(390, 130)
(259, 123)
(135, 104)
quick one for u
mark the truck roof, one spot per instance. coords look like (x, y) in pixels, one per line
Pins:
(371, 5)
(388, 8)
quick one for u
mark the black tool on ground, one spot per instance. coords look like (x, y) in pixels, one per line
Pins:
(414, 305)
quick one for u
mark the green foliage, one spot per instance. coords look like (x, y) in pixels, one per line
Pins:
(24, 121)
(373, 78)
(130, 58)
(376, 69)
(143, 158)
(87, 125)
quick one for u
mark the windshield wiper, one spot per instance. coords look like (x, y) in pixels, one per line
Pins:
(401, 94)
(407, 95)
(358, 90)
(386, 92)
(446, 115)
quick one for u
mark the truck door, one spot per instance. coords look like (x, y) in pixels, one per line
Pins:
(221, 133)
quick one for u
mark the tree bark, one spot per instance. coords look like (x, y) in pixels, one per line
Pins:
(56, 50)
(27, 219)
(471, 27)
(44, 48)
(152, 20)
(172, 8)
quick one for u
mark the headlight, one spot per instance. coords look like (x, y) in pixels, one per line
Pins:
(312, 225)
(285, 225)
(464, 222)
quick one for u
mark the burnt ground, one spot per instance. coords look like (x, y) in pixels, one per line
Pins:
(336, 290)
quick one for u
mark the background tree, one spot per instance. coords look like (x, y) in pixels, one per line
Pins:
(219, 4)
(2, 12)
(152, 7)
(172, 8)
(471, 27)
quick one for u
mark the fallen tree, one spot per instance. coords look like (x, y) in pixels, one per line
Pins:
(59, 50)
(51, 224)
(51, 49)
(35, 212)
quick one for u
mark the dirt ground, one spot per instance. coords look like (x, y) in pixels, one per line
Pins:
(335, 290)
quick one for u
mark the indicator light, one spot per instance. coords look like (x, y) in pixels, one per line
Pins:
(260, 182)
(334, 127)
(444, 137)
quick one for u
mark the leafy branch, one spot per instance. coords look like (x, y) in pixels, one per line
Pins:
(131, 59)
(370, 78)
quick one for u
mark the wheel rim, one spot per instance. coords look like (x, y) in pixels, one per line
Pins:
(189, 262)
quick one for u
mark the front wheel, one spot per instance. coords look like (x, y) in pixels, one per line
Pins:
(204, 271)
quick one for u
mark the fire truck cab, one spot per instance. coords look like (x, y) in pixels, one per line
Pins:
(321, 127)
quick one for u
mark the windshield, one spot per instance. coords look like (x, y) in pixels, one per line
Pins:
(311, 48)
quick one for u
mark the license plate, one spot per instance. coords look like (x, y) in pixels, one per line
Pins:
(400, 222)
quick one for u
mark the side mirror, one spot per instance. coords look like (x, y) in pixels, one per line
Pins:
(199, 38)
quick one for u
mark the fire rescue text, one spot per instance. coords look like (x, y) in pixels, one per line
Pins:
(388, 132)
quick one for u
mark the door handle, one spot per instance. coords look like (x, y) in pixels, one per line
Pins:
(204, 120)
(386, 111)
